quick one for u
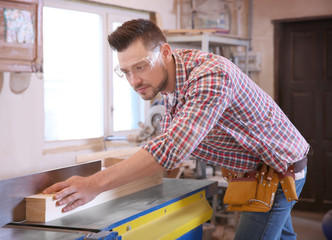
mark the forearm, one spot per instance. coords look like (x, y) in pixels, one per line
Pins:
(141, 164)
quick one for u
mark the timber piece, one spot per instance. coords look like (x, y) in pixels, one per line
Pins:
(120, 153)
(213, 31)
(42, 208)
(190, 31)
(111, 161)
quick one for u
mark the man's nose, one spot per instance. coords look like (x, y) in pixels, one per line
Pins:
(135, 80)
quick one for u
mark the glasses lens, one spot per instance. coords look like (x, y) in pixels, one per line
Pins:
(142, 66)
(118, 71)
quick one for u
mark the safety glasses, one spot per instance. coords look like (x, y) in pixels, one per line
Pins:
(140, 67)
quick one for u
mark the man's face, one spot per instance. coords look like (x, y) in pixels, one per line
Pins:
(144, 69)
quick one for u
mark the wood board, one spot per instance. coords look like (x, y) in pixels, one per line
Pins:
(108, 157)
(42, 208)
(215, 31)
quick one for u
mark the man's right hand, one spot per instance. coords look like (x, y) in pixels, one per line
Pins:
(73, 192)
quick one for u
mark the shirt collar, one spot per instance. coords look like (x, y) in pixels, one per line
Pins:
(180, 75)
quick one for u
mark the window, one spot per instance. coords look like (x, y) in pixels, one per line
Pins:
(73, 78)
(82, 97)
(125, 99)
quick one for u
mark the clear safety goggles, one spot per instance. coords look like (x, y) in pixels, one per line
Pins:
(140, 67)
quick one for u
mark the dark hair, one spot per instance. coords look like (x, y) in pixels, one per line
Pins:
(146, 30)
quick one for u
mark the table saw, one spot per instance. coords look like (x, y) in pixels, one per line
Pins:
(175, 209)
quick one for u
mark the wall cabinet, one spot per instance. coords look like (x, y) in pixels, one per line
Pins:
(21, 36)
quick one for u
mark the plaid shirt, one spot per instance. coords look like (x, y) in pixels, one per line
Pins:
(220, 116)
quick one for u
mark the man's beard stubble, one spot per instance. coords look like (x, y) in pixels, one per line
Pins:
(161, 87)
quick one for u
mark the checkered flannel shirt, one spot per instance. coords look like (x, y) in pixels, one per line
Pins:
(219, 115)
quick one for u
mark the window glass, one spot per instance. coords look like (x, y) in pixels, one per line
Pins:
(128, 106)
(73, 74)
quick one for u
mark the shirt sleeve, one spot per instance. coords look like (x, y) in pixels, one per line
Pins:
(200, 108)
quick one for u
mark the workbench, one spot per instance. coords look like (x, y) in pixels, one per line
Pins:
(175, 209)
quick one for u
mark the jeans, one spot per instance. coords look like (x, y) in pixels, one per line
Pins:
(275, 224)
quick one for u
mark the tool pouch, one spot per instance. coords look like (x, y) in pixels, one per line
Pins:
(287, 182)
(240, 191)
(252, 193)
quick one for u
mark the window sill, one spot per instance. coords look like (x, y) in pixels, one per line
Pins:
(90, 145)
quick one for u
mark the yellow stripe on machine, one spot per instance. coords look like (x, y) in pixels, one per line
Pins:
(169, 222)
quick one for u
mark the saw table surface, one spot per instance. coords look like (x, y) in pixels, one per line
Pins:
(111, 214)
(33, 234)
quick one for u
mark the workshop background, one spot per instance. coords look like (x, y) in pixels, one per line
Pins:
(289, 50)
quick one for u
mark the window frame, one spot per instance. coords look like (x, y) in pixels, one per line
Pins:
(109, 14)
(119, 18)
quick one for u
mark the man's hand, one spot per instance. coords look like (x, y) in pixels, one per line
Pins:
(73, 192)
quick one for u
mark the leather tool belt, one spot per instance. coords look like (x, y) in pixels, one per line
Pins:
(254, 193)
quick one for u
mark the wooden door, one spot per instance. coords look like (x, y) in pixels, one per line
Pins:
(304, 92)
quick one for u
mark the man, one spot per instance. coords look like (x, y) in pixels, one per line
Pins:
(214, 112)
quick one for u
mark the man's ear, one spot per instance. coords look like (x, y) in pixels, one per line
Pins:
(166, 52)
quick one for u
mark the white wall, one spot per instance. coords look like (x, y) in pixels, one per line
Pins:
(21, 127)
(22, 148)
(165, 9)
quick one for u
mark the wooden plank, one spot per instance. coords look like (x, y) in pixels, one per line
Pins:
(41, 207)
(190, 31)
(120, 153)
(91, 144)
(14, 190)
(214, 31)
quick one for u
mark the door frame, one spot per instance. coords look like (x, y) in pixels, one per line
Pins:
(278, 31)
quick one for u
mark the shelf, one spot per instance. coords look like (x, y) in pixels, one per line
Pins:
(205, 38)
